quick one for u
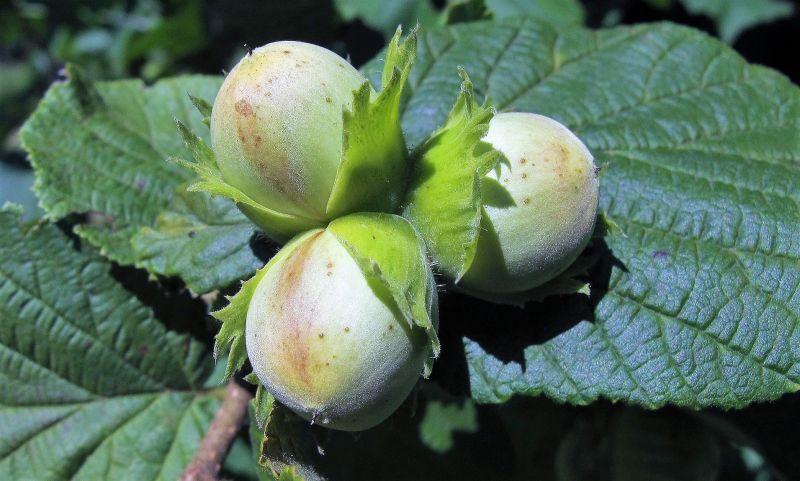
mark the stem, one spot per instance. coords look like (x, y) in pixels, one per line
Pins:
(207, 460)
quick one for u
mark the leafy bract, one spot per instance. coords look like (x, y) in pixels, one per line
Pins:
(444, 199)
(278, 225)
(374, 168)
(94, 387)
(392, 257)
(100, 149)
(282, 443)
(701, 157)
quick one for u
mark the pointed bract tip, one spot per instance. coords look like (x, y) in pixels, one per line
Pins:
(462, 72)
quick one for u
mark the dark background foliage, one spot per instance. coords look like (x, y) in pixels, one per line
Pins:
(152, 39)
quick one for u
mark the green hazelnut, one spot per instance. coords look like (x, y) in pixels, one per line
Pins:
(326, 345)
(539, 204)
(277, 129)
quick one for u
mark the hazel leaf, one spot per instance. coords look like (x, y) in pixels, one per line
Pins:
(99, 149)
(86, 368)
(732, 17)
(199, 227)
(442, 420)
(697, 305)
(556, 12)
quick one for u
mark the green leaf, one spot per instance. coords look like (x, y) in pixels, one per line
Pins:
(94, 387)
(444, 199)
(230, 338)
(200, 227)
(256, 435)
(702, 157)
(457, 11)
(442, 419)
(556, 12)
(735, 16)
(385, 15)
(101, 148)
(374, 168)
(169, 38)
(18, 77)
(262, 402)
(392, 257)
(238, 464)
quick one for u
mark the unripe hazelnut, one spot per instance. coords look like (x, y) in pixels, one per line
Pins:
(281, 126)
(325, 344)
(539, 204)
